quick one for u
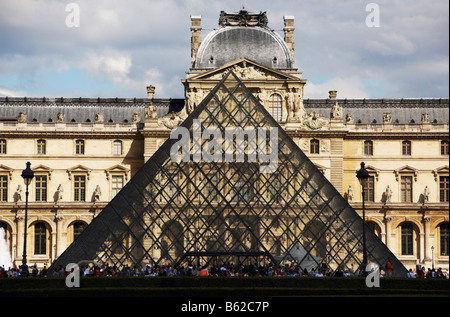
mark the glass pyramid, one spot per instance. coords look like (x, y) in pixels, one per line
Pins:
(228, 186)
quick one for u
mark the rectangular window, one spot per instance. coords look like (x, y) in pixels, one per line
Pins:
(407, 239)
(117, 184)
(406, 148)
(406, 189)
(3, 188)
(2, 146)
(444, 147)
(444, 235)
(79, 188)
(443, 189)
(117, 147)
(40, 238)
(314, 147)
(368, 148)
(79, 147)
(369, 189)
(41, 147)
(41, 188)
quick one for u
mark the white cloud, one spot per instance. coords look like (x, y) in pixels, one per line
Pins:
(390, 44)
(138, 42)
(4, 92)
(350, 87)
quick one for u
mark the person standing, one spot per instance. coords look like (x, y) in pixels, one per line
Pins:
(389, 268)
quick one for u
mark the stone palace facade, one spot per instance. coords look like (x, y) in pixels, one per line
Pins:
(84, 150)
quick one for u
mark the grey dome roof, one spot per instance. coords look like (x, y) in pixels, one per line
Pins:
(230, 43)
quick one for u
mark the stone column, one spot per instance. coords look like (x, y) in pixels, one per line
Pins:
(387, 221)
(427, 244)
(59, 235)
(19, 241)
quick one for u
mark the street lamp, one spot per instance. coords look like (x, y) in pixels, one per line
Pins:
(432, 257)
(27, 175)
(362, 176)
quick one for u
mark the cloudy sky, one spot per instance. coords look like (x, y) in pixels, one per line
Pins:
(122, 46)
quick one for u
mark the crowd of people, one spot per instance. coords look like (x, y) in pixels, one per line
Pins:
(210, 270)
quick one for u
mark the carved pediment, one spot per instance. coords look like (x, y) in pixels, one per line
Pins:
(43, 169)
(443, 170)
(79, 169)
(406, 170)
(117, 169)
(6, 170)
(245, 69)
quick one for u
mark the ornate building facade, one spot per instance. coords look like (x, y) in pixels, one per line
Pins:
(83, 151)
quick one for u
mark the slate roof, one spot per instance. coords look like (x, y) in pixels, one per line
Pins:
(83, 109)
(403, 111)
(365, 111)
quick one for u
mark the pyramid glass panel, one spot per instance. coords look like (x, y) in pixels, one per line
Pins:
(228, 186)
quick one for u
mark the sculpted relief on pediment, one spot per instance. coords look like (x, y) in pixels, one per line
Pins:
(244, 71)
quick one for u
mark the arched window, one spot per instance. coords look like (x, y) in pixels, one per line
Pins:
(443, 236)
(407, 238)
(78, 228)
(40, 238)
(275, 106)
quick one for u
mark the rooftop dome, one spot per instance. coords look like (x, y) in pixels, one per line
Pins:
(243, 35)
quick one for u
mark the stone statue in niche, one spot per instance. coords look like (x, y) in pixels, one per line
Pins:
(18, 194)
(97, 193)
(426, 194)
(350, 193)
(293, 104)
(193, 99)
(388, 194)
(58, 194)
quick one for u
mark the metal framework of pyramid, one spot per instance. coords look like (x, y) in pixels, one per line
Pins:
(214, 209)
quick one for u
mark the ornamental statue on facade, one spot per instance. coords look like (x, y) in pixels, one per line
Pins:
(22, 117)
(387, 117)
(99, 117)
(150, 112)
(243, 18)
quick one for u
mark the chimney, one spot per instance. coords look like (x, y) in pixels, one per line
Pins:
(150, 92)
(289, 34)
(196, 38)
